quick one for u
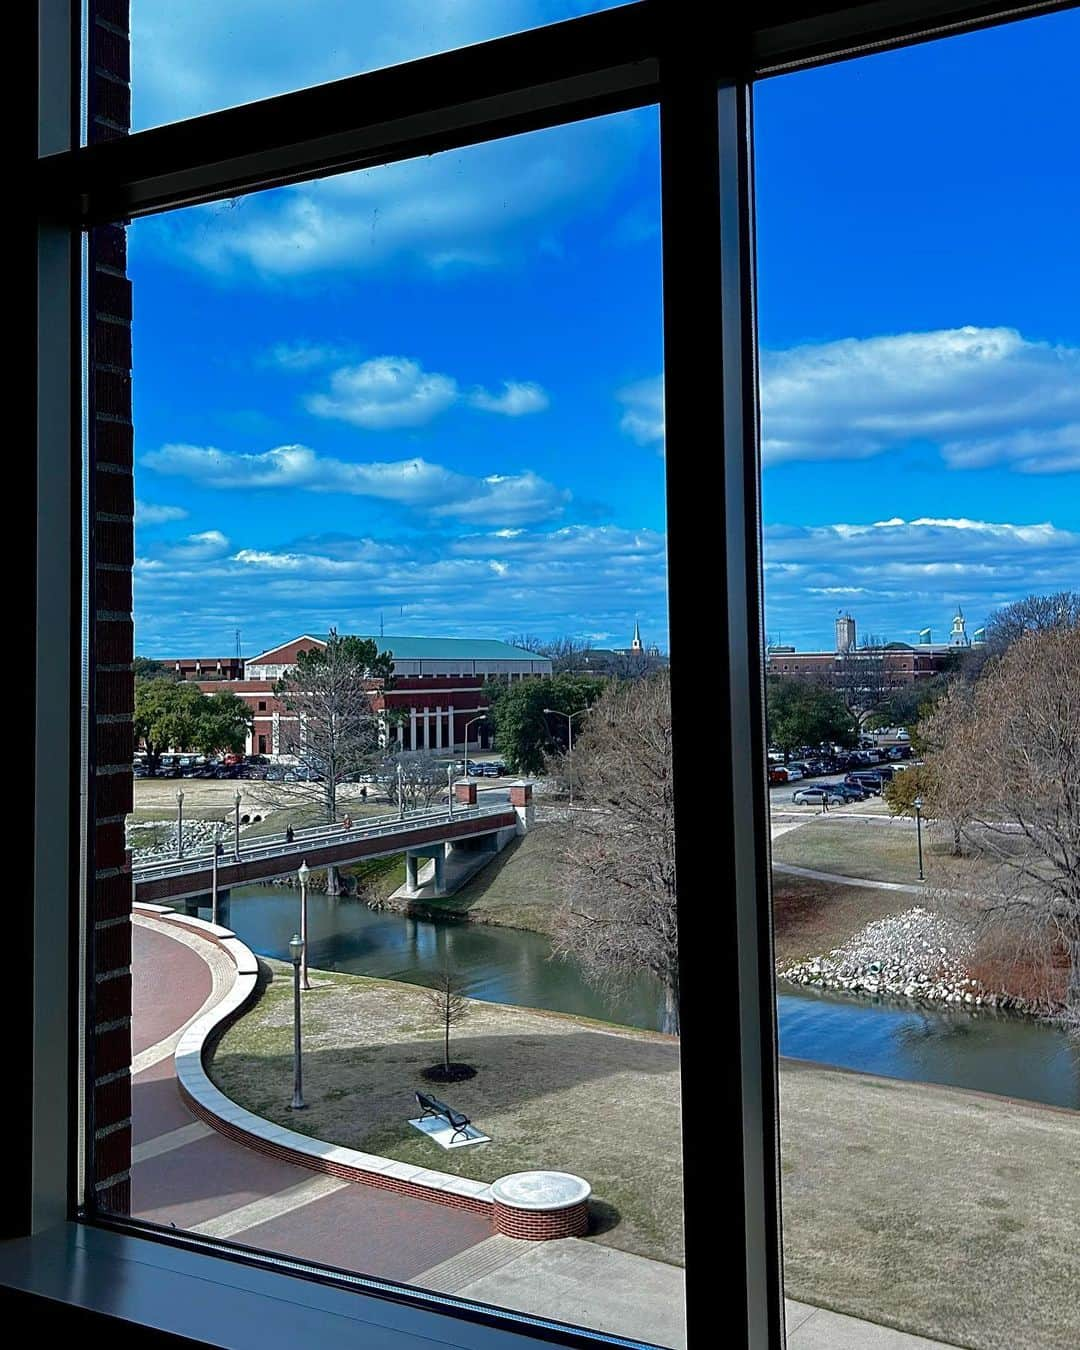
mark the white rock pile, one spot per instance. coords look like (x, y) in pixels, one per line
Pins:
(916, 955)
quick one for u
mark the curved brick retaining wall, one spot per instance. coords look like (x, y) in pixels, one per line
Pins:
(211, 1106)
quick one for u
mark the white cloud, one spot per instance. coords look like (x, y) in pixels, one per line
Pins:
(153, 513)
(387, 391)
(643, 418)
(517, 399)
(506, 499)
(578, 580)
(983, 395)
(301, 356)
(395, 391)
(904, 574)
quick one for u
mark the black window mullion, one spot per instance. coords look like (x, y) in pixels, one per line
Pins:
(730, 1128)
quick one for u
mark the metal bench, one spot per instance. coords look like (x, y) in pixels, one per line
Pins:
(431, 1106)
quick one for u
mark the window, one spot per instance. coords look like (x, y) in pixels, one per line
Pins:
(286, 166)
(262, 705)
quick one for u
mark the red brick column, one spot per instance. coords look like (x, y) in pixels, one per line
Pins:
(111, 700)
(465, 793)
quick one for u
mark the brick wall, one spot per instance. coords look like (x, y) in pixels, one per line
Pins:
(111, 702)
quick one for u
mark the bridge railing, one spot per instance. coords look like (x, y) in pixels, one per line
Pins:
(273, 846)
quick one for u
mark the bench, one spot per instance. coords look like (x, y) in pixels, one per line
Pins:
(431, 1106)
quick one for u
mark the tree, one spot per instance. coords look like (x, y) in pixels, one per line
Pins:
(145, 668)
(411, 778)
(333, 731)
(223, 723)
(805, 712)
(1020, 748)
(166, 716)
(524, 733)
(172, 715)
(905, 786)
(449, 1007)
(618, 917)
(1033, 614)
(944, 739)
(566, 654)
(906, 705)
(863, 679)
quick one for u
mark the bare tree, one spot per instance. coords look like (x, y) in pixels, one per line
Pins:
(1020, 748)
(449, 1007)
(618, 916)
(863, 679)
(411, 778)
(330, 731)
(945, 739)
(566, 654)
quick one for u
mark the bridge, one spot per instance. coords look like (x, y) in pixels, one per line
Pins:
(423, 833)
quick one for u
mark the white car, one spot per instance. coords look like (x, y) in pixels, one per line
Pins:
(793, 773)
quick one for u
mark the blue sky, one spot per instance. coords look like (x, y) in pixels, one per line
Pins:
(430, 391)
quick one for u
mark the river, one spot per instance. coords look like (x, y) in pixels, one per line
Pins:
(999, 1053)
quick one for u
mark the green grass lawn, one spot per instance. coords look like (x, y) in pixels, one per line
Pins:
(876, 852)
(552, 1091)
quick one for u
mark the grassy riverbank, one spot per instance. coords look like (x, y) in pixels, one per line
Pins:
(552, 1091)
(519, 888)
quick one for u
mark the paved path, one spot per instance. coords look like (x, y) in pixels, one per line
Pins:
(862, 882)
(188, 1175)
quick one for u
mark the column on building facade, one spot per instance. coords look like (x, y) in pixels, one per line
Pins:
(427, 728)
(438, 728)
(412, 728)
(275, 734)
(450, 727)
(401, 735)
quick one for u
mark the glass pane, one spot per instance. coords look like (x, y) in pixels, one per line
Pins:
(401, 537)
(206, 55)
(920, 380)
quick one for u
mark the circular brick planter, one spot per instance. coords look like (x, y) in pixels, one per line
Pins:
(540, 1206)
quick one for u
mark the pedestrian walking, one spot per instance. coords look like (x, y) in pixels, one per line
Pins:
(347, 822)
(288, 834)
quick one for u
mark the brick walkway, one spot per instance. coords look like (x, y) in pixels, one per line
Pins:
(188, 1175)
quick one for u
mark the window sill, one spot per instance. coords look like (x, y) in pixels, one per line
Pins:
(170, 1292)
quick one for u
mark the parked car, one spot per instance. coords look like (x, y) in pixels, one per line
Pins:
(869, 782)
(850, 792)
(777, 775)
(793, 773)
(816, 796)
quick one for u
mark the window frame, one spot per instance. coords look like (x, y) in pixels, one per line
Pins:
(700, 71)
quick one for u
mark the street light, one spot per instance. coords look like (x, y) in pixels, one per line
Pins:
(236, 833)
(400, 790)
(213, 878)
(450, 788)
(297, 954)
(303, 872)
(468, 724)
(918, 805)
(569, 739)
(179, 822)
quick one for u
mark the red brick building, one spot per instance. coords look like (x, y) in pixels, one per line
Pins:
(435, 701)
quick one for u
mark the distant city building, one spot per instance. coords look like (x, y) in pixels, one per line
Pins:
(618, 660)
(204, 667)
(905, 662)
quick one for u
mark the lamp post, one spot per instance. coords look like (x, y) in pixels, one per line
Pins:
(236, 831)
(918, 805)
(400, 790)
(213, 878)
(303, 872)
(179, 822)
(468, 724)
(297, 954)
(450, 788)
(569, 739)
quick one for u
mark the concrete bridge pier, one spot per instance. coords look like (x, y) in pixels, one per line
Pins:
(410, 873)
(202, 907)
(437, 853)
